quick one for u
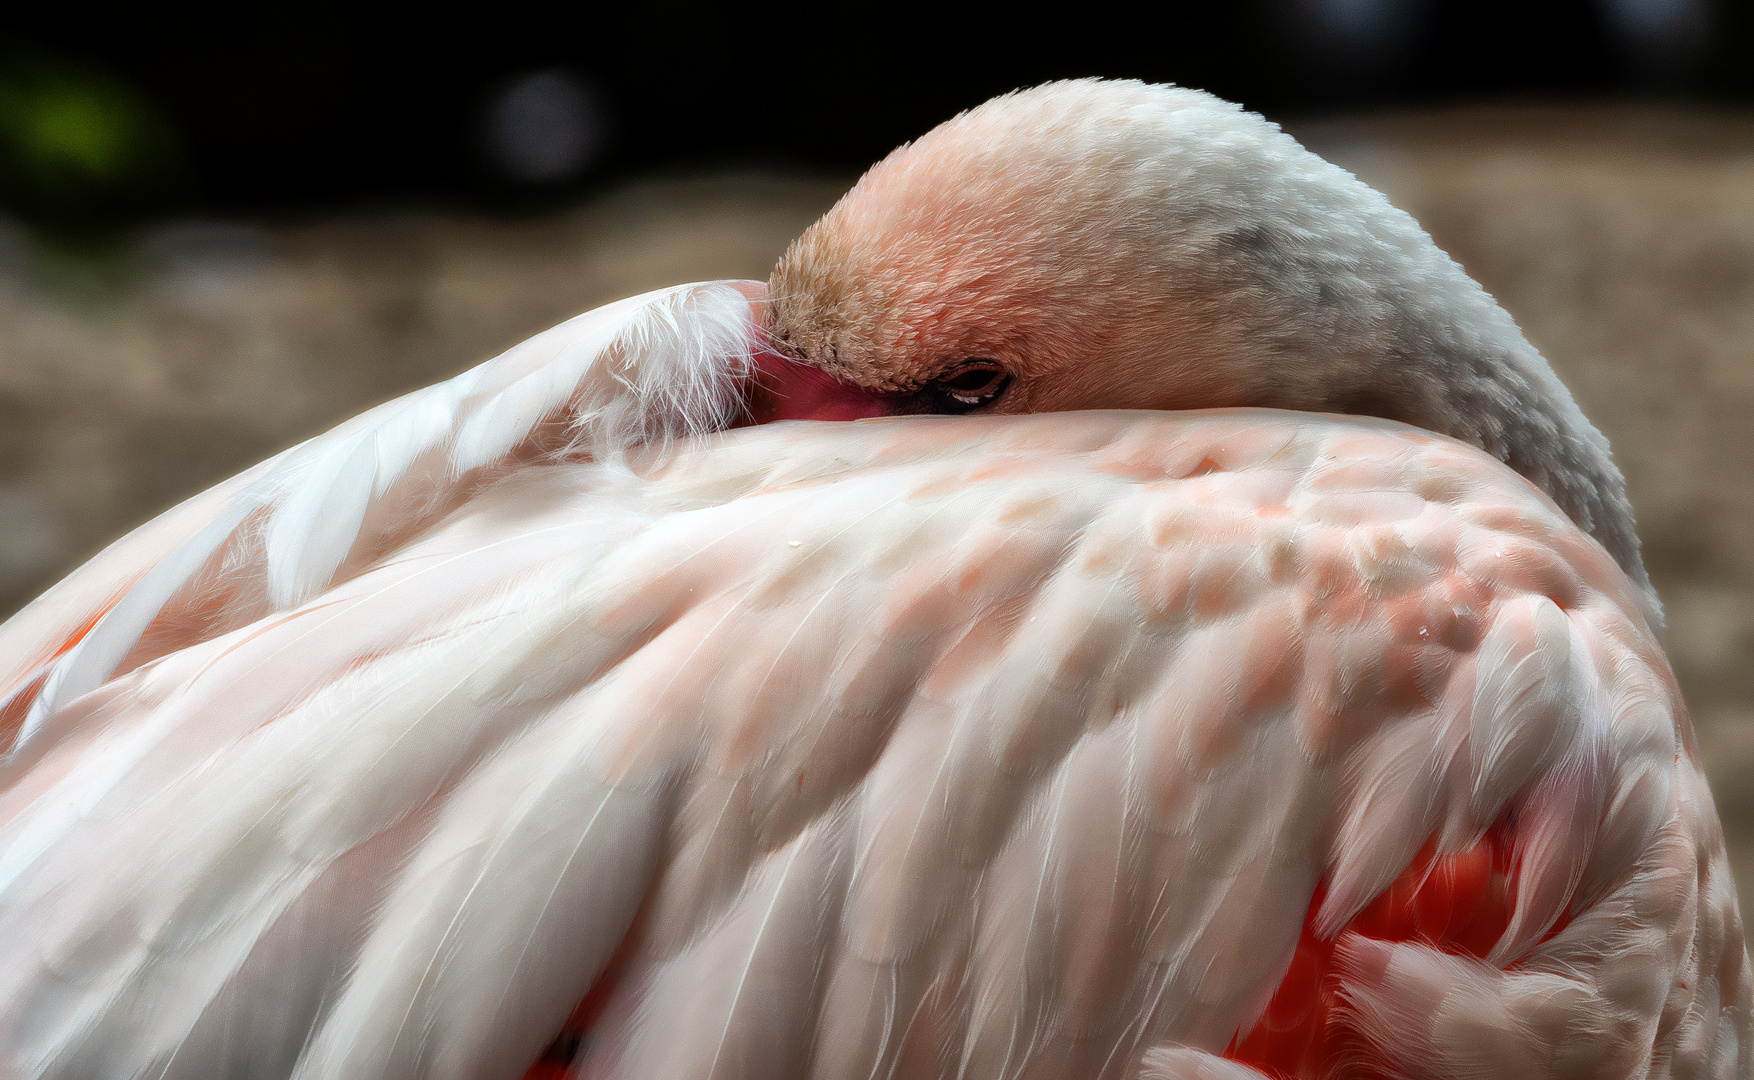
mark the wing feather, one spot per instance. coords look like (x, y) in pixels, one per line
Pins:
(652, 367)
(982, 747)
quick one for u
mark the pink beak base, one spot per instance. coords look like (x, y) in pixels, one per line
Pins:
(784, 389)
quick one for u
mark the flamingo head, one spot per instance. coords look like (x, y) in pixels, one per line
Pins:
(1088, 244)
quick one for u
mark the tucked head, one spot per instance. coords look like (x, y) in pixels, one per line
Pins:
(1092, 244)
(1098, 244)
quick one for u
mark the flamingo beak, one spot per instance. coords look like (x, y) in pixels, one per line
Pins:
(784, 389)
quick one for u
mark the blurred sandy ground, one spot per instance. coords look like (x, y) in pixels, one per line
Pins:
(1622, 240)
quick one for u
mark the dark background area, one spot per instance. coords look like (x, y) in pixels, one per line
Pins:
(232, 111)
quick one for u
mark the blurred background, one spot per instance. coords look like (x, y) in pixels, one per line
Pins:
(220, 233)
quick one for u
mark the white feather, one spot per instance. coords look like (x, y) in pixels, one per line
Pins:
(650, 368)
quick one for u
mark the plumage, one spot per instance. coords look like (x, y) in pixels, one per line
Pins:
(1209, 743)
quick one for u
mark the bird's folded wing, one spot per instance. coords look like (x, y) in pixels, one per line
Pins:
(648, 368)
(955, 746)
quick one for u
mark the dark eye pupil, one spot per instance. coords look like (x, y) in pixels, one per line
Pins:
(972, 380)
(968, 386)
(975, 377)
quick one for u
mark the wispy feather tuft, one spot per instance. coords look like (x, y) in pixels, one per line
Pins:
(661, 366)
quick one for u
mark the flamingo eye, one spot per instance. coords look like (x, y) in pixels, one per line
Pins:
(969, 385)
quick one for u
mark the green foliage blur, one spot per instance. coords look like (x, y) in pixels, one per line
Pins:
(82, 153)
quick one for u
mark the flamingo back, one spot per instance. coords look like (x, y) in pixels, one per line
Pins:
(1025, 746)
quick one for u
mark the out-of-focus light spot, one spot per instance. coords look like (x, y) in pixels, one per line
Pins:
(1358, 23)
(78, 147)
(545, 127)
(1659, 35)
(75, 126)
(1369, 34)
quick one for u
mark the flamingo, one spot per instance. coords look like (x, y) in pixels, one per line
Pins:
(1253, 676)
